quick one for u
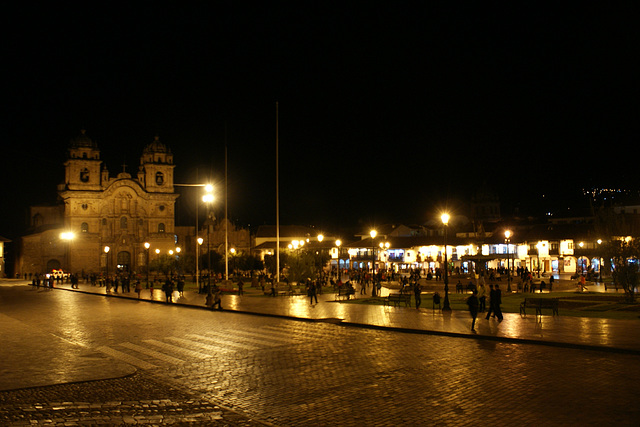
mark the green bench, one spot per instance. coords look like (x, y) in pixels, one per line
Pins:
(538, 304)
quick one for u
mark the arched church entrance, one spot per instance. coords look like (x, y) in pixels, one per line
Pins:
(124, 261)
(52, 264)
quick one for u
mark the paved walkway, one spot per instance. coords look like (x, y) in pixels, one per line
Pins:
(577, 332)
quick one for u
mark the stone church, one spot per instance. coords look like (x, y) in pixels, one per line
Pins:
(103, 222)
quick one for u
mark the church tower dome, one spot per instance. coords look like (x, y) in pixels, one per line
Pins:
(82, 168)
(156, 167)
(82, 141)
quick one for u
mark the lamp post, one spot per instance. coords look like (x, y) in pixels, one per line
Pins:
(199, 241)
(507, 239)
(208, 199)
(106, 251)
(373, 234)
(338, 243)
(445, 305)
(147, 245)
(67, 237)
(208, 188)
(384, 247)
(232, 251)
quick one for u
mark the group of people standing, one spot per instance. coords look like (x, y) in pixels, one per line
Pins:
(477, 303)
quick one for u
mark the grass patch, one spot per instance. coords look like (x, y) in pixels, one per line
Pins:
(595, 305)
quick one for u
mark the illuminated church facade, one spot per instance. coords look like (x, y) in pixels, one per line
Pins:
(103, 222)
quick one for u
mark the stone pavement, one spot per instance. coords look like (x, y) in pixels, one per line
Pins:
(146, 397)
(621, 336)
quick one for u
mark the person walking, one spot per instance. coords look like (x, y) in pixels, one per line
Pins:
(491, 299)
(209, 299)
(417, 293)
(496, 301)
(180, 286)
(168, 290)
(138, 288)
(482, 297)
(311, 292)
(217, 297)
(472, 303)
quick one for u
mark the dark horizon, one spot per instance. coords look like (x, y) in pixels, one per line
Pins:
(385, 112)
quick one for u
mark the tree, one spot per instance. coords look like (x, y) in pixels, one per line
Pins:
(164, 264)
(622, 256)
(304, 264)
(246, 262)
(270, 262)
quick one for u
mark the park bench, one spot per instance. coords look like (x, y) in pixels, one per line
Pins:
(461, 289)
(344, 293)
(280, 291)
(297, 291)
(397, 299)
(539, 304)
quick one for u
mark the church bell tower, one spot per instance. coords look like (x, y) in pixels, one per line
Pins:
(156, 168)
(82, 167)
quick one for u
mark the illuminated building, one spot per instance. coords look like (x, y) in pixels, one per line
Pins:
(98, 210)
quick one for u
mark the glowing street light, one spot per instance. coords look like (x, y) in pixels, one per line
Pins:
(106, 251)
(338, 244)
(147, 245)
(373, 234)
(445, 305)
(208, 199)
(507, 238)
(67, 237)
(199, 240)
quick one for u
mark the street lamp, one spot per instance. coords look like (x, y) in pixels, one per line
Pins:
(106, 251)
(147, 245)
(232, 251)
(373, 234)
(67, 236)
(384, 247)
(199, 240)
(507, 239)
(445, 306)
(338, 243)
(208, 199)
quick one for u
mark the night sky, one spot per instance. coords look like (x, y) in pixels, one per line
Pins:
(387, 112)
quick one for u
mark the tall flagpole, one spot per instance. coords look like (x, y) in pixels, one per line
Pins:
(196, 240)
(226, 210)
(277, 203)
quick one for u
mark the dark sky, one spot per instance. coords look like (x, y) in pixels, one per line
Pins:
(386, 111)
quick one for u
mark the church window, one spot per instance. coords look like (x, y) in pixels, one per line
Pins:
(37, 220)
(161, 227)
(84, 175)
(104, 221)
(159, 178)
(161, 207)
(84, 227)
(85, 206)
(123, 222)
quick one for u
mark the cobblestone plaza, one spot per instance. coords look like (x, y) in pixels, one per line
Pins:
(74, 358)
